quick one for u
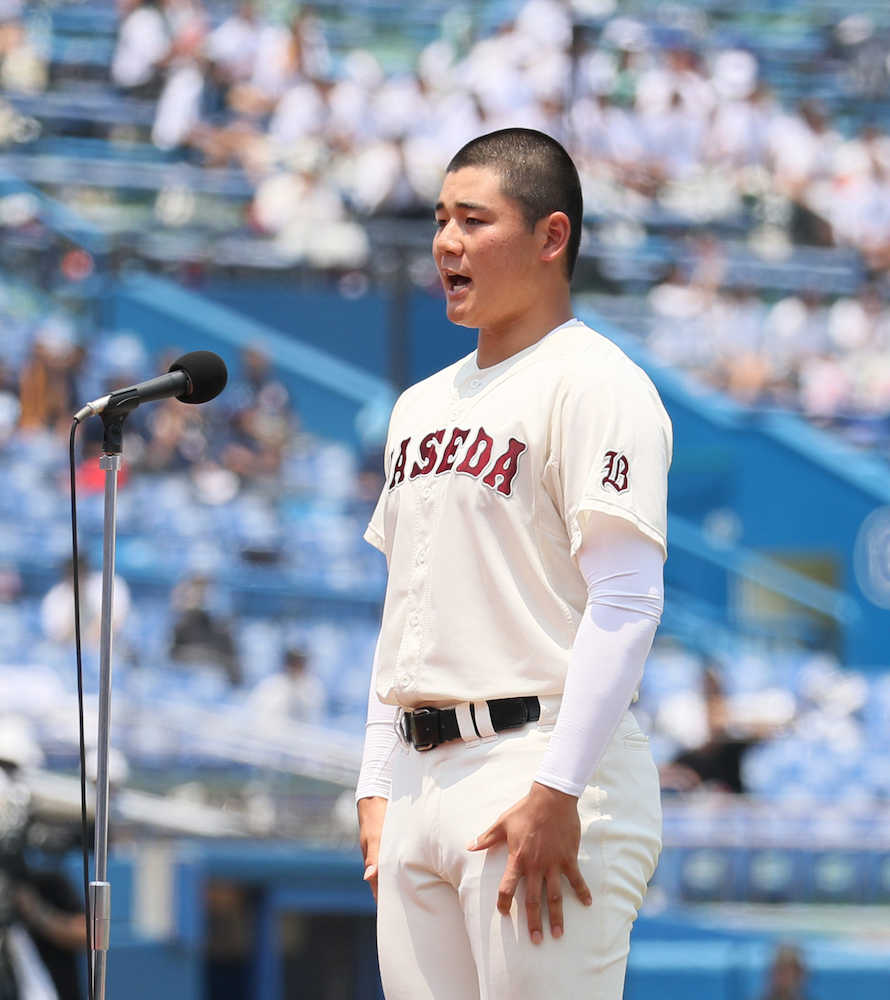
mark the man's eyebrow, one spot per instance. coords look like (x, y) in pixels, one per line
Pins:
(470, 206)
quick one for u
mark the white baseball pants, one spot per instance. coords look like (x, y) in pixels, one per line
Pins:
(440, 935)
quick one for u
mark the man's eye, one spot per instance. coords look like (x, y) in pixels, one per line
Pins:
(471, 221)
(440, 223)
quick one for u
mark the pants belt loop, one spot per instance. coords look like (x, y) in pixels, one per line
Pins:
(550, 705)
(399, 726)
(465, 723)
(482, 718)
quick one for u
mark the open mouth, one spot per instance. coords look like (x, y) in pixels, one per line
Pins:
(456, 282)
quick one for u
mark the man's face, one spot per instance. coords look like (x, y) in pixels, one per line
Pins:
(486, 255)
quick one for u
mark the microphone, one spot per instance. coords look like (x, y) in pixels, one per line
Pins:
(193, 378)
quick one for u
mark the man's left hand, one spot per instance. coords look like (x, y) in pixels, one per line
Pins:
(542, 833)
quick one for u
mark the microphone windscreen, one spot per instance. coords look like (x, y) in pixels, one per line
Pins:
(207, 374)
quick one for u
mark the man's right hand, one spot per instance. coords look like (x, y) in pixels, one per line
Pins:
(371, 812)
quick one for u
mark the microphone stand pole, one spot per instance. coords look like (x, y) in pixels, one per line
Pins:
(100, 888)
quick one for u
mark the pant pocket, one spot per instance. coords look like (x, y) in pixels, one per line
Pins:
(636, 741)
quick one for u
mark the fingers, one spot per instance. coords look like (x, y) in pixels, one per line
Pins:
(493, 835)
(554, 903)
(533, 887)
(370, 851)
(507, 888)
(370, 877)
(540, 891)
(576, 881)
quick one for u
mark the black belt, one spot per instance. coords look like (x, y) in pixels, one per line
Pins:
(425, 728)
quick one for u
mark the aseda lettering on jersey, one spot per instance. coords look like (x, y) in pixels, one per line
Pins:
(462, 453)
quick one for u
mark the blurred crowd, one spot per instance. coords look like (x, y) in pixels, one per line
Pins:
(653, 118)
(828, 357)
(664, 124)
(704, 131)
(207, 496)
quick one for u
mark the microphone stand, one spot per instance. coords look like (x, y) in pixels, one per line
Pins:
(100, 887)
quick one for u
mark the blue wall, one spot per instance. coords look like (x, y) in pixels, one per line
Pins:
(335, 397)
(356, 330)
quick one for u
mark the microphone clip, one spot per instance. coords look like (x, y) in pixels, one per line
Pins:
(113, 418)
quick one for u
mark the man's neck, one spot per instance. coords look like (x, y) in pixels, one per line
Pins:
(496, 344)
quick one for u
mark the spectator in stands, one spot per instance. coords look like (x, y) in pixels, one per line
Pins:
(294, 693)
(177, 437)
(232, 47)
(143, 45)
(262, 419)
(57, 606)
(787, 975)
(200, 635)
(186, 90)
(48, 381)
(23, 69)
(285, 56)
(718, 738)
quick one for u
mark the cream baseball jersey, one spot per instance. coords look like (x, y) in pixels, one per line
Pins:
(490, 475)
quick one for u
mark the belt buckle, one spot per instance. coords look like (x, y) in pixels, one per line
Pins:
(422, 722)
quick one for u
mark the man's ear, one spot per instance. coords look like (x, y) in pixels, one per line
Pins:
(554, 231)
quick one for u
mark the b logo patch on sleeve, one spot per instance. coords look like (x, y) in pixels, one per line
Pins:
(617, 469)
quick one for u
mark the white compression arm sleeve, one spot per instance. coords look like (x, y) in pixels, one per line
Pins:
(623, 571)
(375, 777)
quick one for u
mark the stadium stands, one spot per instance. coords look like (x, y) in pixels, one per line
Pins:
(735, 162)
(746, 273)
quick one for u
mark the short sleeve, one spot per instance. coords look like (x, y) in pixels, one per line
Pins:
(375, 533)
(613, 445)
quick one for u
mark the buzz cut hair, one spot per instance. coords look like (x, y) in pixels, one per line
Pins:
(535, 171)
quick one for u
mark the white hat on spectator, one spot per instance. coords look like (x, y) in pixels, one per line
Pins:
(548, 22)
(626, 33)
(19, 208)
(734, 74)
(854, 29)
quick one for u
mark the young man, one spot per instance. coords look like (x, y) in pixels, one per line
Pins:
(523, 520)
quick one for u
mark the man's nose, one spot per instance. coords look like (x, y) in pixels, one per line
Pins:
(448, 240)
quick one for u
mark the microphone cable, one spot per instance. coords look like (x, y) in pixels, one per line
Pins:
(84, 825)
